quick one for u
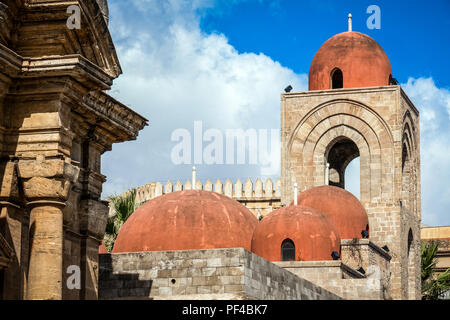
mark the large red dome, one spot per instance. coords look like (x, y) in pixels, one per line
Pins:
(185, 220)
(360, 58)
(312, 233)
(342, 207)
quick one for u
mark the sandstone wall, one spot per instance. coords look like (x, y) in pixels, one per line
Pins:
(339, 279)
(200, 274)
(384, 125)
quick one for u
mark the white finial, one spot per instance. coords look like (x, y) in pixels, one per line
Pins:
(349, 22)
(295, 193)
(327, 174)
(194, 182)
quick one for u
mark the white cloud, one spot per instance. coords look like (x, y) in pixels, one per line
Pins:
(175, 74)
(434, 106)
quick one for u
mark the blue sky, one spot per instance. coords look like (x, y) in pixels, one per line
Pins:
(414, 34)
(225, 62)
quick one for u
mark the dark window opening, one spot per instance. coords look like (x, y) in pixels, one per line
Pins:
(410, 239)
(288, 250)
(337, 79)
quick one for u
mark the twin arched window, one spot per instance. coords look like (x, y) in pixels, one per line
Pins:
(287, 250)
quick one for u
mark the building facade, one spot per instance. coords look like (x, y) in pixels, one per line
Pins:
(56, 120)
(353, 108)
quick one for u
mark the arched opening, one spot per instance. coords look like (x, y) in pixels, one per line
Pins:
(287, 250)
(353, 177)
(337, 79)
(411, 268)
(406, 178)
(343, 154)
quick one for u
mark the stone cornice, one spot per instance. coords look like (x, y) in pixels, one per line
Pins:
(338, 91)
(310, 93)
(74, 65)
(93, 22)
(128, 122)
(121, 116)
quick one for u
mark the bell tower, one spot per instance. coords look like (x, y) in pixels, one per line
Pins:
(353, 109)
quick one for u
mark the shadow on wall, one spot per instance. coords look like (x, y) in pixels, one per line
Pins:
(124, 286)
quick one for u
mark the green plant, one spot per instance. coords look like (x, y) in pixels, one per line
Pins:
(123, 206)
(433, 284)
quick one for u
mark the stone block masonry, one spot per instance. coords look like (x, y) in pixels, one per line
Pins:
(221, 274)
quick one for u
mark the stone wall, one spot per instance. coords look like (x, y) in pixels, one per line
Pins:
(200, 274)
(364, 253)
(339, 279)
(383, 124)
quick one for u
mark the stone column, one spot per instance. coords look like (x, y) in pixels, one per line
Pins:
(46, 185)
(46, 250)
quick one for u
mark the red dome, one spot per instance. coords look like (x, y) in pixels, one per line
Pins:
(102, 248)
(342, 207)
(185, 220)
(361, 59)
(313, 234)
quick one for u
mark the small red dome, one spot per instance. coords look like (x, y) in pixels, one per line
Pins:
(360, 58)
(192, 219)
(312, 233)
(343, 208)
(102, 248)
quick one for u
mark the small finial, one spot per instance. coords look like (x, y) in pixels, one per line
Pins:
(194, 178)
(327, 174)
(349, 22)
(295, 193)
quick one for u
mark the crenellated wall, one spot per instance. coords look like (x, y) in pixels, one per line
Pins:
(260, 198)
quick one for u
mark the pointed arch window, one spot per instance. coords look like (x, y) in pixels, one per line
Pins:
(337, 79)
(287, 250)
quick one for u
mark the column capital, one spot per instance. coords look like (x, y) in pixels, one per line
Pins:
(38, 203)
(47, 180)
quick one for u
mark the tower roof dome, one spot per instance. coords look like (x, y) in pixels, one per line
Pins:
(360, 58)
(312, 233)
(343, 208)
(185, 220)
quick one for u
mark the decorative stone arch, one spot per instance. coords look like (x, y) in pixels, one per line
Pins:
(328, 140)
(350, 119)
(411, 279)
(409, 180)
(408, 124)
(339, 153)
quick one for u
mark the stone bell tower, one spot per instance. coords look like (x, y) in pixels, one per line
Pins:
(56, 120)
(355, 109)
